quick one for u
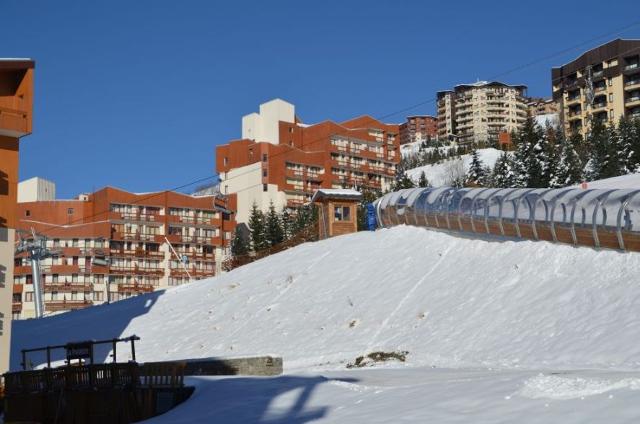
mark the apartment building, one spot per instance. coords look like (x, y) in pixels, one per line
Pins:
(282, 160)
(112, 244)
(603, 83)
(541, 106)
(479, 112)
(16, 111)
(418, 128)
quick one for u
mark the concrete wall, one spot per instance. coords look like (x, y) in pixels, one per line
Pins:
(264, 126)
(36, 189)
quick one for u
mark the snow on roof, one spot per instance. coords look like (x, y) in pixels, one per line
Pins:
(342, 193)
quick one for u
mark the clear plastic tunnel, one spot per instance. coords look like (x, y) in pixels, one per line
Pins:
(596, 217)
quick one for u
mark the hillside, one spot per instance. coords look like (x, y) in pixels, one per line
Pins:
(438, 174)
(518, 308)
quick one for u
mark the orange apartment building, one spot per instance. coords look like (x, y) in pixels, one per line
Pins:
(281, 160)
(113, 244)
(419, 128)
(16, 114)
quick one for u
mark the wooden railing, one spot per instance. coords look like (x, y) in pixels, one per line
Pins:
(96, 376)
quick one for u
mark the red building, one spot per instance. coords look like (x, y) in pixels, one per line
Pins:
(419, 128)
(113, 244)
(281, 160)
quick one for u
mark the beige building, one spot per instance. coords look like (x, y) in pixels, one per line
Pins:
(479, 112)
(603, 83)
(541, 106)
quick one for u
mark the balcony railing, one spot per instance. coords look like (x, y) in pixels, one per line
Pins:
(630, 66)
(632, 99)
(66, 305)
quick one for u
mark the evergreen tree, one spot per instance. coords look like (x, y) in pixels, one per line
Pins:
(273, 233)
(239, 245)
(530, 158)
(503, 175)
(634, 154)
(625, 146)
(599, 164)
(402, 179)
(423, 182)
(569, 166)
(476, 174)
(287, 223)
(257, 228)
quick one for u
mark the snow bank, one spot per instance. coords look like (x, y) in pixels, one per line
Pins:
(623, 181)
(437, 174)
(447, 300)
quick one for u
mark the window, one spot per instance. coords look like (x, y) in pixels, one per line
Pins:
(610, 97)
(290, 129)
(70, 211)
(610, 82)
(264, 172)
(264, 157)
(225, 161)
(342, 213)
(28, 297)
(264, 187)
(611, 116)
(27, 213)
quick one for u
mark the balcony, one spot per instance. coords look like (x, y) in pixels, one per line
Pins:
(16, 307)
(64, 269)
(22, 270)
(17, 122)
(135, 288)
(633, 100)
(67, 287)
(573, 99)
(631, 66)
(66, 305)
(632, 84)
(599, 105)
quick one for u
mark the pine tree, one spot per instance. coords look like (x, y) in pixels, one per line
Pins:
(257, 228)
(634, 154)
(599, 165)
(569, 166)
(625, 146)
(239, 244)
(273, 233)
(423, 182)
(503, 175)
(402, 179)
(530, 159)
(287, 223)
(476, 174)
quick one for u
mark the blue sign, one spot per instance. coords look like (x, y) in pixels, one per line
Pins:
(372, 221)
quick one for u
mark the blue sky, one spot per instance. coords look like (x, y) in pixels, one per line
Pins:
(136, 94)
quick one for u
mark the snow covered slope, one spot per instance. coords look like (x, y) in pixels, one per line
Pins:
(497, 331)
(437, 174)
(623, 181)
(448, 301)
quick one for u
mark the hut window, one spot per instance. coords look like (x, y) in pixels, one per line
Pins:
(342, 213)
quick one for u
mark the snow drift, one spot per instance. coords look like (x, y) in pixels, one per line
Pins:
(447, 300)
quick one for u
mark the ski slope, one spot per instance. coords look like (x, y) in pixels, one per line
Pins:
(488, 324)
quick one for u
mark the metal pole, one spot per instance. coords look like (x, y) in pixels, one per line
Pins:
(178, 258)
(37, 287)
